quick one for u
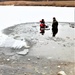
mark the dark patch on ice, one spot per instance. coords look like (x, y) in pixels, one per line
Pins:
(16, 37)
(72, 25)
(8, 30)
(68, 44)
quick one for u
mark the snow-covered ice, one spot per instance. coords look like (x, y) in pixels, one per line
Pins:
(14, 15)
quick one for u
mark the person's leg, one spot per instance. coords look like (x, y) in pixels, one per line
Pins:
(55, 32)
(43, 31)
(53, 35)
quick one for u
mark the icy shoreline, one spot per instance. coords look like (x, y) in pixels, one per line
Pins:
(63, 44)
(47, 55)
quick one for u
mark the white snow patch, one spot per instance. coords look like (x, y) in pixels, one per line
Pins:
(24, 52)
(6, 41)
(61, 73)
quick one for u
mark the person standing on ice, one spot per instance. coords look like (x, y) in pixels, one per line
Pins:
(42, 26)
(54, 27)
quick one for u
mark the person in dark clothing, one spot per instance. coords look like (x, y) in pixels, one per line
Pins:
(54, 27)
(42, 27)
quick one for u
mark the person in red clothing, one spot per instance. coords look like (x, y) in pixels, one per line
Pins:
(42, 27)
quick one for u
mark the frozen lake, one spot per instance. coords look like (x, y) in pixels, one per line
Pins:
(12, 15)
(62, 47)
(25, 51)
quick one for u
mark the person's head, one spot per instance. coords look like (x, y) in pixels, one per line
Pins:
(54, 19)
(43, 21)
